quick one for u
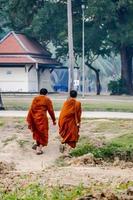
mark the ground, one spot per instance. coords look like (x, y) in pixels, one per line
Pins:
(18, 158)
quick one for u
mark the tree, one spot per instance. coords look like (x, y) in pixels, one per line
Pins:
(115, 18)
(3, 18)
(97, 71)
(21, 12)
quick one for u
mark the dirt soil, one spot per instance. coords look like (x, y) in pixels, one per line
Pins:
(17, 159)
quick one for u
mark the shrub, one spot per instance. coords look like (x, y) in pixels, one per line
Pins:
(116, 148)
(117, 87)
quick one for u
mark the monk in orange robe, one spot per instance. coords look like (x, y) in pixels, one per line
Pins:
(38, 121)
(69, 120)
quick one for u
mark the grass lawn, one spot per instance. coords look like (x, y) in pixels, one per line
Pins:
(96, 103)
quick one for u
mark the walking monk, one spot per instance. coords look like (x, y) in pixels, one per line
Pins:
(69, 120)
(38, 121)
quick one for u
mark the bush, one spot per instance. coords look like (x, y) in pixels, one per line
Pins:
(117, 87)
(81, 150)
(115, 148)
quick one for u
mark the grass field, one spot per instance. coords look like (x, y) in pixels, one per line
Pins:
(90, 103)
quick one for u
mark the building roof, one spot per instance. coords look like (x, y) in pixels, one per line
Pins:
(18, 48)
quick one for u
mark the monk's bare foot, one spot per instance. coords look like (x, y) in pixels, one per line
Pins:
(39, 150)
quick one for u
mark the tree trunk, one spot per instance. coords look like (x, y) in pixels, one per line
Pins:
(98, 82)
(97, 71)
(126, 69)
(1, 103)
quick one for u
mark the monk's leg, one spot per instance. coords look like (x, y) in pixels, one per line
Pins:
(39, 148)
(67, 146)
(62, 148)
(71, 144)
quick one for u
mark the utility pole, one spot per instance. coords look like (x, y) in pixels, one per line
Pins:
(83, 51)
(70, 46)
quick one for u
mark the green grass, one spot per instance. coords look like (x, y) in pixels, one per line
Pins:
(108, 106)
(38, 192)
(85, 106)
(124, 185)
(121, 147)
(104, 104)
(1, 123)
(21, 120)
(113, 126)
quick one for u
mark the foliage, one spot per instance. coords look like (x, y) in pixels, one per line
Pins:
(38, 192)
(47, 21)
(20, 13)
(121, 147)
(117, 87)
(115, 19)
(82, 149)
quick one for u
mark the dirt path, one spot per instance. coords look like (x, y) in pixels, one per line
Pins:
(16, 142)
(87, 175)
(15, 145)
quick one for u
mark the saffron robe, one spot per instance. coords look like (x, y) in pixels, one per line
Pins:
(37, 118)
(69, 119)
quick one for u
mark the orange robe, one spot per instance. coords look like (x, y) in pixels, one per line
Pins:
(69, 117)
(37, 118)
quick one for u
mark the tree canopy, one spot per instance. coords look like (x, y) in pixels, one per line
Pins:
(108, 27)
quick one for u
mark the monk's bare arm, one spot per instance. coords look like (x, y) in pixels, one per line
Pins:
(79, 112)
(29, 119)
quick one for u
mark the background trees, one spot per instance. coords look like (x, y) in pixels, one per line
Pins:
(115, 17)
(108, 28)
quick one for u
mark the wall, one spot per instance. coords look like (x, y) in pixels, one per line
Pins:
(13, 79)
(32, 79)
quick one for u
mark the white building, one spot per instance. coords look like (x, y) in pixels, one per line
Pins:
(25, 66)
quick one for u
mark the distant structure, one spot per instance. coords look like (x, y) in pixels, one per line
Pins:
(25, 66)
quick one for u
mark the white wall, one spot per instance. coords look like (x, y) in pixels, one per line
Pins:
(32, 79)
(13, 79)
